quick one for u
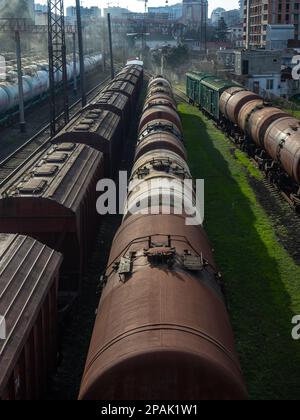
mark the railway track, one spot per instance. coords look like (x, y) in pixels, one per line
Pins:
(36, 144)
(180, 95)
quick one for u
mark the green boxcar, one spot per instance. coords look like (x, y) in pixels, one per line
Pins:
(205, 90)
(193, 80)
(211, 89)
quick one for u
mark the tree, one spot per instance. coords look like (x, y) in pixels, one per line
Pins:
(14, 9)
(221, 34)
(177, 56)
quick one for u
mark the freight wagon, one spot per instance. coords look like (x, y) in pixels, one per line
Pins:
(53, 200)
(104, 122)
(29, 278)
(98, 128)
(267, 133)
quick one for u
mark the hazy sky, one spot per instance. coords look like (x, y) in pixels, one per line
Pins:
(138, 6)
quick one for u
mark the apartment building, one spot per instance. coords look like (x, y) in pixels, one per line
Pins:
(258, 14)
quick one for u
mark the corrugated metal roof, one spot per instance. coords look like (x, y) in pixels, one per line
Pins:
(119, 86)
(65, 185)
(110, 99)
(198, 75)
(131, 70)
(131, 78)
(100, 122)
(27, 271)
(216, 83)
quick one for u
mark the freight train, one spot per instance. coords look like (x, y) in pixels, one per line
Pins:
(35, 82)
(162, 330)
(47, 222)
(267, 133)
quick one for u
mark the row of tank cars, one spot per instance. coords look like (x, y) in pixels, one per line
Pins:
(162, 330)
(48, 222)
(267, 133)
(35, 81)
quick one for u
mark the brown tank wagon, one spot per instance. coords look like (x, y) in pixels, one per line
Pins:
(162, 90)
(28, 299)
(246, 111)
(233, 99)
(159, 82)
(54, 201)
(160, 140)
(161, 97)
(160, 161)
(152, 101)
(99, 129)
(160, 112)
(162, 330)
(161, 126)
(153, 173)
(267, 133)
(282, 143)
(259, 121)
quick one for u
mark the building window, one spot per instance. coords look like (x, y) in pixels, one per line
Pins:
(270, 84)
(256, 87)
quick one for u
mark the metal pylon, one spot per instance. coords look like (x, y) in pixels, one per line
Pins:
(57, 60)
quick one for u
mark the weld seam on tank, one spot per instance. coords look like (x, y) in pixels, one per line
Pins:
(164, 327)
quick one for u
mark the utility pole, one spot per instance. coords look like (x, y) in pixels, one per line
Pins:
(20, 82)
(112, 70)
(81, 54)
(74, 63)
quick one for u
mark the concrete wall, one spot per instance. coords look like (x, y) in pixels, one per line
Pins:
(258, 62)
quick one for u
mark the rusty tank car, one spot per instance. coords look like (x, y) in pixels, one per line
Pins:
(282, 142)
(162, 330)
(161, 97)
(269, 134)
(233, 99)
(159, 81)
(160, 112)
(160, 140)
(259, 120)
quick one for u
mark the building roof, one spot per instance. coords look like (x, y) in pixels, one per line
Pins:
(217, 83)
(280, 26)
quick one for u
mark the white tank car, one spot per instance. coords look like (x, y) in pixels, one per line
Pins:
(36, 80)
